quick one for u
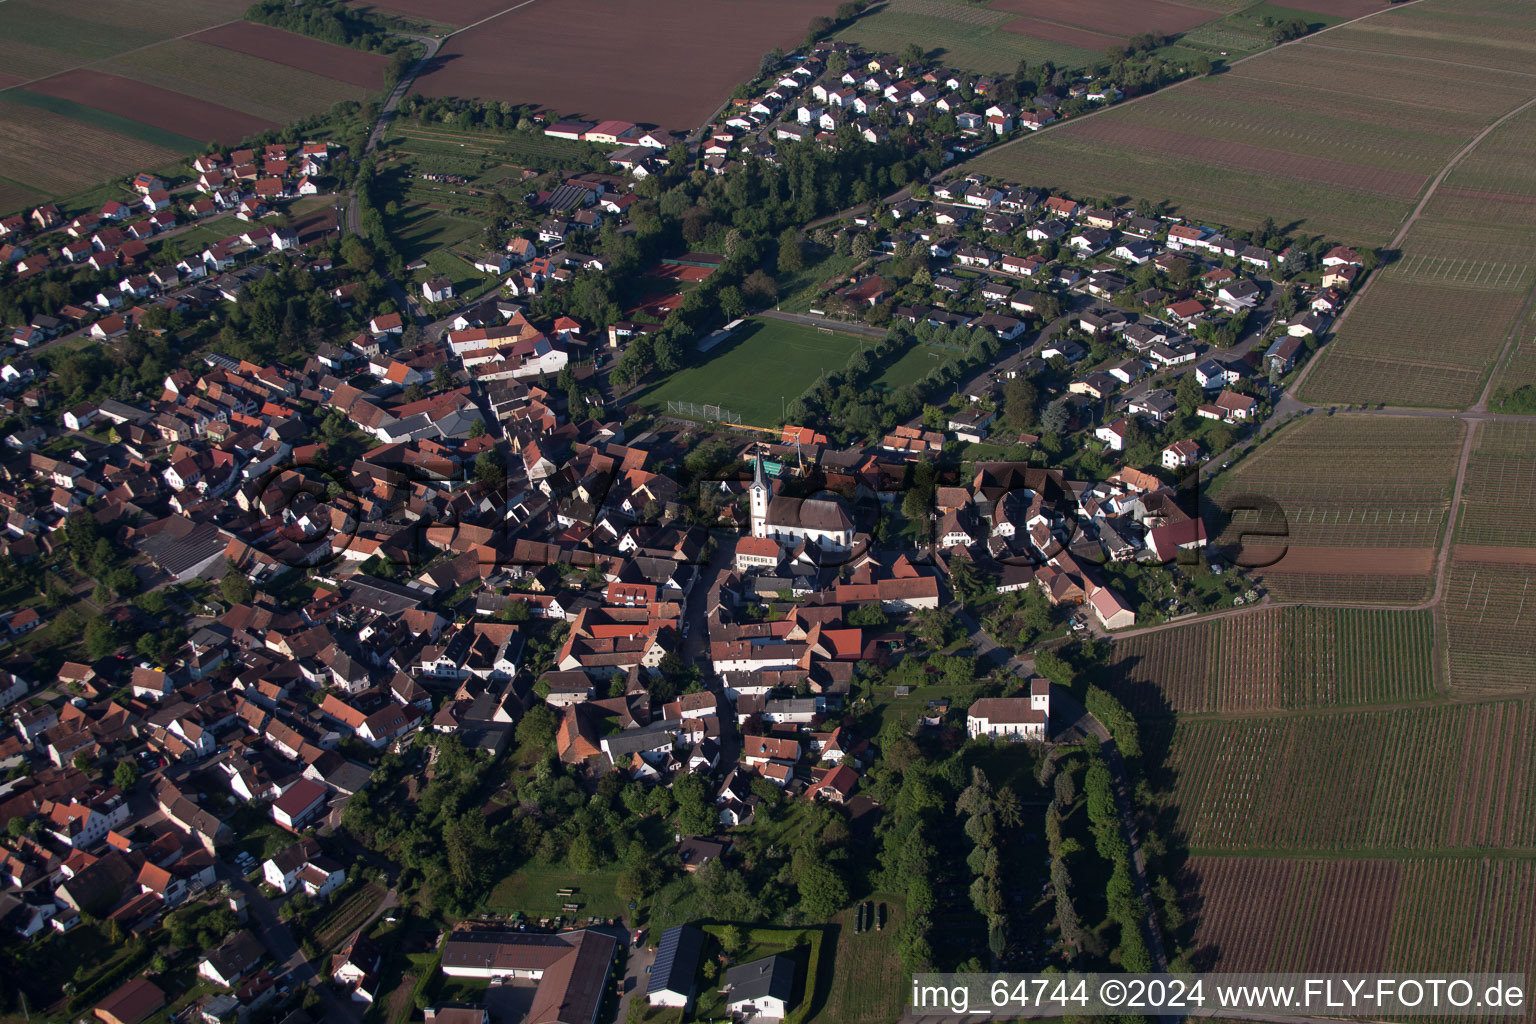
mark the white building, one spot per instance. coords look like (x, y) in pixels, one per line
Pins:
(791, 520)
(1014, 718)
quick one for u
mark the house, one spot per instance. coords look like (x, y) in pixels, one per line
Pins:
(1110, 609)
(1237, 295)
(760, 990)
(300, 804)
(676, 964)
(1168, 540)
(1212, 375)
(1235, 408)
(1341, 256)
(302, 865)
(236, 957)
(1113, 434)
(437, 289)
(1180, 454)
(570, 969)
(1013, 718)
(131, 1003)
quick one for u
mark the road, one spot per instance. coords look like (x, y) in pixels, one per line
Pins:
(636, 973)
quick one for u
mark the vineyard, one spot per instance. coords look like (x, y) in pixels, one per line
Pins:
(1355, 481)
(1408, 915)
(1337, 132)
(1272, 659)
(1465, 915)
(1416, 342)
(1489, 613)
(1260, 915)
(1498, 498)
(1427, 778)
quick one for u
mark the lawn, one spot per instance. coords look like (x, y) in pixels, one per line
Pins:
(868, 984)
(915, 364)
(768, 364)
(419, 229)
(534, 891)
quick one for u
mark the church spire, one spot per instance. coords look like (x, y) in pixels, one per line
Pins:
(758, 478)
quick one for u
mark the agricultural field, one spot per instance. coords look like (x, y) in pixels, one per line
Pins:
(638, 69)
(1498, 496)
(1337, 134)
(273, 45)
(1415, 340)
(1273, 658)
(750, 374)
(45, 153)
(1434, 777)
(1489, 614)
(43, 37)
(966, 36)
(273, 92)
(1363, 915)
(1364, 498)
(1271, 914)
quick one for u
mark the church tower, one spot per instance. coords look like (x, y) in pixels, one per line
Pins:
(758, 495)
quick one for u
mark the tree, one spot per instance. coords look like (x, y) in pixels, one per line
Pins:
(442, 377)
(82, 761)
(912, 53)
(1019, 399)
(791, 255)
(822, 892)
(1057, 417)
(235, 586)
(537, 729)
(1189, 394)
(100, 637)
(489, 469)
(126, 775)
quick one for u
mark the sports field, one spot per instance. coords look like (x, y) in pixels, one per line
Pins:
(768, 362)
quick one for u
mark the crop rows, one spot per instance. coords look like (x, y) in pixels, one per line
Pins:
(1413, 343)
(1403, 916)
(1271, 658)
(1331, 656)
(1498, 498)
(1355, 481)
(1489, 34)
(1422, 778)
(236, 80)
(59, 155)
(1465, 915)
(1347, 588)
(1489, 612)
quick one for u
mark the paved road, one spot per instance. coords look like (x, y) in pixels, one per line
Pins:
(636, 977)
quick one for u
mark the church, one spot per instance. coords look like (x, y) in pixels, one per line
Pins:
(792, 520)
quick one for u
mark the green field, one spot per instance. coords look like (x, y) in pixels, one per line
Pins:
(419, 229)
(768, 361)
(963, 35)
(915, 364)
(868, 983)
(533, 891)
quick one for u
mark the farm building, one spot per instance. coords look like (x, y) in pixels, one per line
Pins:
(677, 960)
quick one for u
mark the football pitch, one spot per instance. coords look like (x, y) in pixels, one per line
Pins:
(767, 365)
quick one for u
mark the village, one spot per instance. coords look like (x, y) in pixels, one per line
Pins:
(449, 524)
